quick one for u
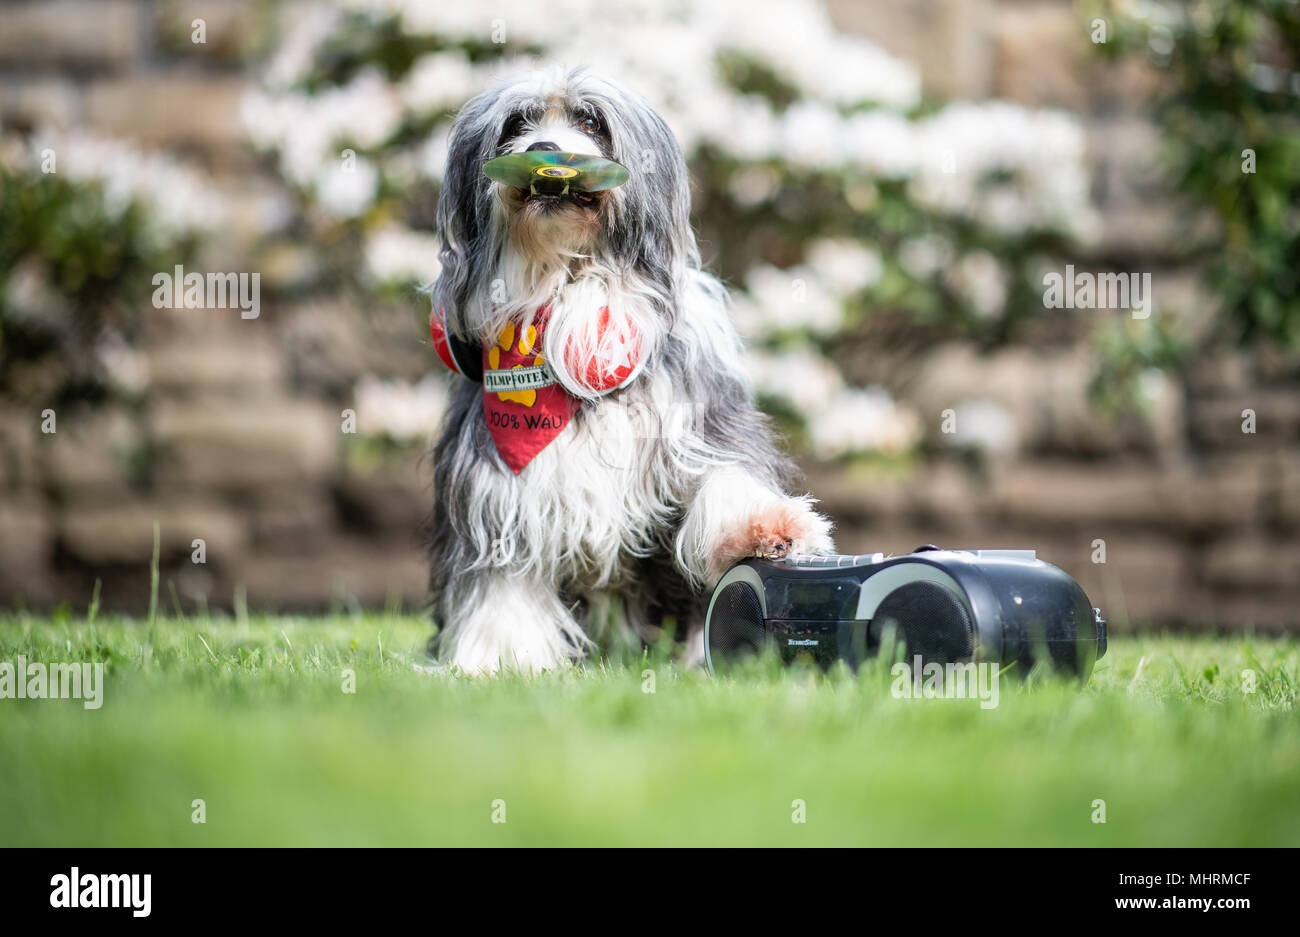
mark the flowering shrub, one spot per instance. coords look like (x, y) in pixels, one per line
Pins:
(399, 410)
(87, 222)
(828, 193)
(1230, 105)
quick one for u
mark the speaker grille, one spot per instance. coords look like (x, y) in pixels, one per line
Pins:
(929, 618)
(736, 625)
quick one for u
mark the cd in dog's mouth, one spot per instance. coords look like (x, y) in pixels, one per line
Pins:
(548, 179)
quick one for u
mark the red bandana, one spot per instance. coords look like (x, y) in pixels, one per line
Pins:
(524, 406)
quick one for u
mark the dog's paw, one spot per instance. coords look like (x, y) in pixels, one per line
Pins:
(484, 654)
(774, 532)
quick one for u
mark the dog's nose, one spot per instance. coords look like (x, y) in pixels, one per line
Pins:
(543, 145)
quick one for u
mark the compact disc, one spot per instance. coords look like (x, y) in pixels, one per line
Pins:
(551, 171)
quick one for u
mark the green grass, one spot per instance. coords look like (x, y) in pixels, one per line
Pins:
(250, 717)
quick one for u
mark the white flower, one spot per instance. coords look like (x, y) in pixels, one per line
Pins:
(860, 72)
(793, 299)
(433, 154)
(311, 131)
(260, 113)
(743, 126)
(748, 317)
(179, 201)
(801, 377)
(347, 190)
(366, 109)
(1154, 386)
(882, 142)
(127, 368)
(797, 40)
(754, 185)
(399, 409)
(987, 425)
(305, 28)
(980, 279)
(396, 254)
(860, 420)
(310, 146)
(812, 134)
(845, 265)
(439, 80)
(923, 256)
(1042, 150)
(28, 291)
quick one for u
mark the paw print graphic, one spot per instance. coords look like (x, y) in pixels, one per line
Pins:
(527, 346)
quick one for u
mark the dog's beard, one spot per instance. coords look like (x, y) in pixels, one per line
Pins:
(550, 232)
(551, 247)
(555, 255)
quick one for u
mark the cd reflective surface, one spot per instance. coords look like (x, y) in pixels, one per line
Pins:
(547, 170)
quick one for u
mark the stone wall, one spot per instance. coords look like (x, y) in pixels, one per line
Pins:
(239, 442)
(1199, 518)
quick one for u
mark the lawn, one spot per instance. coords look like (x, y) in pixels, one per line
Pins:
(251, 717)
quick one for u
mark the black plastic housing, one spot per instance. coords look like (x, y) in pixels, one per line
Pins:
(947, 606)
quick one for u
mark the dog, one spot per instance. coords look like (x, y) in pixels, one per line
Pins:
(642, 470)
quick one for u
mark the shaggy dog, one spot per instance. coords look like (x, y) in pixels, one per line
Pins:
(632, 469)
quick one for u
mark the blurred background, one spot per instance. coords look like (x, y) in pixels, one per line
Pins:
(883, 186)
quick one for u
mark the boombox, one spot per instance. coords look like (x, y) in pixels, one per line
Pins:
(946, 606)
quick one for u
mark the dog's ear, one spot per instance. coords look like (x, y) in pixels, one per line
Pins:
(463, 208)
(652, 232)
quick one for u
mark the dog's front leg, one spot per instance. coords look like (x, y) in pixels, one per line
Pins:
(733, 516)
(495, 620)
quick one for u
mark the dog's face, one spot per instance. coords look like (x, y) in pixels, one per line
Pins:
(641, 227)
(566, 123)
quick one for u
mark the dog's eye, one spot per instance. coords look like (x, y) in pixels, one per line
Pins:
(515, 126)
(590, 125)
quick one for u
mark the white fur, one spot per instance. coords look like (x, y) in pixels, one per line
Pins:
(514, 624)
(728, 495)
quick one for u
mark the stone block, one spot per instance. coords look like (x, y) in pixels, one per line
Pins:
(337, 571)
(236, 361)
(1127, 494)
(25, 539)
(292, 517)
(37, 102)
(1216, 422)
(1286, 478)
(1041, 55)
(78, 33)
(229, 29)
(90, 457)
(243, 445)
(173, 108)
(950, 43)
(122, 533)
(1251, 563)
